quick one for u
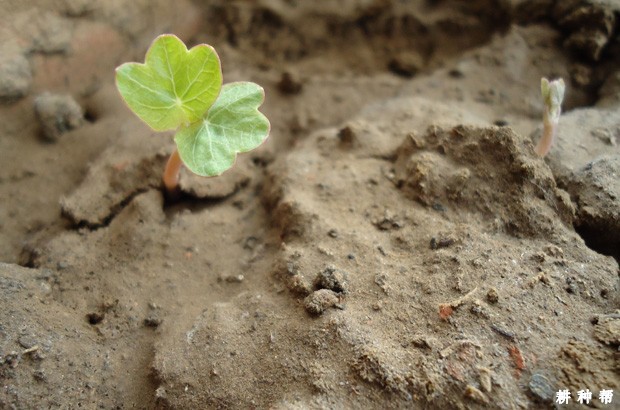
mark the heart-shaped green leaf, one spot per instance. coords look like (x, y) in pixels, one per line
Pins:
(232, 125)
(174, 86)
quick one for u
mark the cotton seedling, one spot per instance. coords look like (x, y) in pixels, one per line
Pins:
(553, 94)
(180, 89)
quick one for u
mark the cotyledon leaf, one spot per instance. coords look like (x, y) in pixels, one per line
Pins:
(232, 125)
(174, 86)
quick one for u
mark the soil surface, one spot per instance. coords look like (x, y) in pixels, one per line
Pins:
(395, 244)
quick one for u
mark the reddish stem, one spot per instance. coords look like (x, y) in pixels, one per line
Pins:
(544, 145)
(171, 173)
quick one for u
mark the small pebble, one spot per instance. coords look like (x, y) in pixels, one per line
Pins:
(152, 321)
(456, 73)
(94, 318)
(234, 278)
(26, 342)
(406, 64)
(441, 243)
(289, 84)
(346, 135)
(541, 387)
(492, 296)
(39, 375)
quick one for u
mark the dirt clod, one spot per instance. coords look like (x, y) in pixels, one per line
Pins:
(152, 321)
(332, 279)
(607, 330)
(442, 242)
(320, 300)
(475, 394)
(15, 75)
(57, 114)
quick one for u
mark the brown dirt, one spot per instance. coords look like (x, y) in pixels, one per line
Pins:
(395, 244)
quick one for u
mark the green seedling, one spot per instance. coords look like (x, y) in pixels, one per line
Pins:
(180, 89)
(553, 94)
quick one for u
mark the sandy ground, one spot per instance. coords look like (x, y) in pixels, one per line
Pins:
(395, 244)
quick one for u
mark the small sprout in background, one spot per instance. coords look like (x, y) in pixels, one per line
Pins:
(177, 89)
(553, 94)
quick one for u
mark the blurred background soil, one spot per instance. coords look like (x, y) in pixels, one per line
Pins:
(395, 244)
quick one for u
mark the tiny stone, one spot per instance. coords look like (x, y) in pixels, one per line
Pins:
(492, 295)
(438, 207)
(94, 318)
(406, 64)
(485, 379)
(250, 243)
(421, 343)
(26, 342)
(604, 135)
(152, 321)
(554, 251)
(441, 243)
(289, 84)
(298, 285)
(292, 268)
(12, 359)
(456, 73)
(234, 278)
(346, 135)
(541, 387)
(333, 233)
(39, 375)
(160, 393)
(382, 280)
(478, 309)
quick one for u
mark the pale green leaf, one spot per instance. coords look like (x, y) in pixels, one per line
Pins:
(174, 86)
(232, 125)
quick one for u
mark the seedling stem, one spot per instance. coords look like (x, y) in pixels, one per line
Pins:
(171, 173)
(553, 94)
